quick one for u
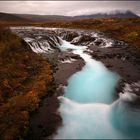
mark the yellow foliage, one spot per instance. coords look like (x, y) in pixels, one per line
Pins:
(6, 83)
(132, 35)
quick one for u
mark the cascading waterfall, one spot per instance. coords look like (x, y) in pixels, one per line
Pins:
(89, 109)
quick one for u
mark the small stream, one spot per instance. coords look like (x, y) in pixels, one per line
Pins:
(89, 107)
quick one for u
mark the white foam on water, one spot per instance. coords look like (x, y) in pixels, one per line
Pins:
(86, 121)
(68, 60)
(66, 45)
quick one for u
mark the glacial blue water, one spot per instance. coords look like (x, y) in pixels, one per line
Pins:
(94, 83)
(88, 108)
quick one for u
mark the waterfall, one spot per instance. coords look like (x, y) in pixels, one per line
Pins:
(89, 109)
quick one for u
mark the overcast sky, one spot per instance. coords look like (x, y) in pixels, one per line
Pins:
(70, 8)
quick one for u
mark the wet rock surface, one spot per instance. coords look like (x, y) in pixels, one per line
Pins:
(65, 70)
(67, 35)
(125, 61)
(46, 121)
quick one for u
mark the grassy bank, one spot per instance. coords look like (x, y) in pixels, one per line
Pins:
(25, 78)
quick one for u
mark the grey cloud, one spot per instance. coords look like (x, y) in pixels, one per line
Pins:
(67, 7)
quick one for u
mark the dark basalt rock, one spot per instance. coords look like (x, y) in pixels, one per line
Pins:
(120, 86)
(67, 35)
(70, 36)
(76, 57)
(132, 88)
(45, 122)
(98, 42)
(64, 56)
(86, 38)
(60, 90)
(83, 40)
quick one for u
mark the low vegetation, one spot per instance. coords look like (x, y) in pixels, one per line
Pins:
(25, 78)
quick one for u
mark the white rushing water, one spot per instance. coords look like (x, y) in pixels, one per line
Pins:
(88, 109)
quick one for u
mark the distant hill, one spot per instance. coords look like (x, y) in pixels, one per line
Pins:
(44, 18)
(118, 14)
(5, 17)
(50, 18)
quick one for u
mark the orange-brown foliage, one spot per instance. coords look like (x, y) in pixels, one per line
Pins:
(25, 77)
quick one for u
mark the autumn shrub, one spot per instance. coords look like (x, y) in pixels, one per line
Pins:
(25, 78)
